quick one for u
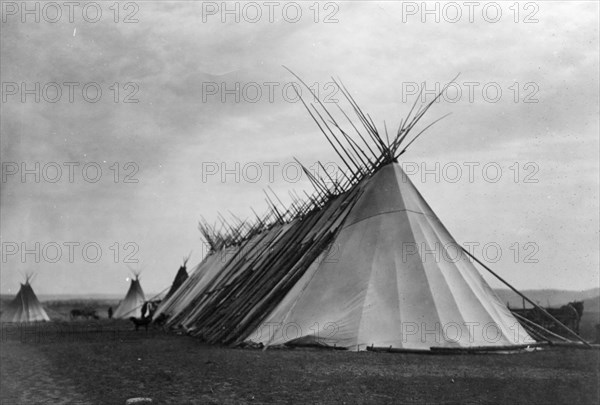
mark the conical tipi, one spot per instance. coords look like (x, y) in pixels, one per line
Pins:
(180, 278)
(364, 263)
(25, 307)
(394, 278)
(131, 305)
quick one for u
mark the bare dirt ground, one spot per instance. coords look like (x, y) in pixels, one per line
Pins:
(106, 362)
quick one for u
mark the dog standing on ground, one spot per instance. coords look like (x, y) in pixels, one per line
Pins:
(141, 322)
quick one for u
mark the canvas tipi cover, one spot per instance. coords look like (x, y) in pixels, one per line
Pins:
(395, 278)
(25, 307)
(131, 305)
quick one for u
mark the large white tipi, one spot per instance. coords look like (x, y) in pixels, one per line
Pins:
(131, 305)
(363, 264)
(25, 307)
(392, 277)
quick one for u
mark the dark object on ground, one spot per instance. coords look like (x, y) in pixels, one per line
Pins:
(569, 315)
(140, 322)
(86, 313)
(161, 319)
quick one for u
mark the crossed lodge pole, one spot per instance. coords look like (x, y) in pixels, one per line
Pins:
(527, 299)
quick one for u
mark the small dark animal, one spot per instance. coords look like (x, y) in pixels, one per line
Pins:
(140, 322)
(84, 313)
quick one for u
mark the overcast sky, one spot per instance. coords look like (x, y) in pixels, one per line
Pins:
(538, 140)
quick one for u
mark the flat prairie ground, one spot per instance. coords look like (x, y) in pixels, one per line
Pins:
(107, 362)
